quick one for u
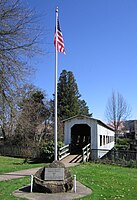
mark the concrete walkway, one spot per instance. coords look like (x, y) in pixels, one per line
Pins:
(28, 172)
(80, 192)
(18, 174)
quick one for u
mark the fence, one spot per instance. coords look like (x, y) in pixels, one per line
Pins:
(86, 153)
(63, 152)
(18, 151)
(115, 155)
(122, 154)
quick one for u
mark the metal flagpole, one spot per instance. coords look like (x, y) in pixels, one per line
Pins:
(56, 72)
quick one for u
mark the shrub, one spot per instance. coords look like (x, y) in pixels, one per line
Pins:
(132, 164)
(122, 141)
(121, 147)
(47, 151)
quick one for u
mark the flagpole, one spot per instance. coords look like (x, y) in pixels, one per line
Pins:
(56, 72)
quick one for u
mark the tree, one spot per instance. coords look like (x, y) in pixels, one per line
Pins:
(11, 113)
(68, 95)
(84, 109)
(117, 110)
(69, 102)
(18, 37)
(33, 112)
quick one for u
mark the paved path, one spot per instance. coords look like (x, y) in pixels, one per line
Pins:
(28, 172)
(80, 192)
(18, 174)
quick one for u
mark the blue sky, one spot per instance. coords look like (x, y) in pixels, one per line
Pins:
(101, 49)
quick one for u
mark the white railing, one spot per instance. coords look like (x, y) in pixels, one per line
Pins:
(63, 152)
(86, 153)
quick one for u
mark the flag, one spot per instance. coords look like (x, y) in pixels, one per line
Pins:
(59, 37)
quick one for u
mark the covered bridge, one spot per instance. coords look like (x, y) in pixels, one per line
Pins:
(81, 130)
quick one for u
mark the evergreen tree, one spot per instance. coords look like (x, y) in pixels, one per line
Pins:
(69, 103)
(84, 109)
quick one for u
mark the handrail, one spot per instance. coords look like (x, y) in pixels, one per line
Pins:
(86, 153)
(63, 152)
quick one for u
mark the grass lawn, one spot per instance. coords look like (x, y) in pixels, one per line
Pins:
(107, 182)
(9, 164)
(7, 187)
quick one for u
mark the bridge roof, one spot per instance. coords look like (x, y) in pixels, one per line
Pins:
(90, 118)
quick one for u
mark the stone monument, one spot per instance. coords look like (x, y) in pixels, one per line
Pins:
(53, 178)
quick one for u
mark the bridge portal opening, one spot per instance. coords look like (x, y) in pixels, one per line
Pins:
(80, 137)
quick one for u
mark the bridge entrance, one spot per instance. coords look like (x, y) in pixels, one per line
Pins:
(80, 137)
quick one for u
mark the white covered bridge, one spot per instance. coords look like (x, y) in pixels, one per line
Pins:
(85, 135)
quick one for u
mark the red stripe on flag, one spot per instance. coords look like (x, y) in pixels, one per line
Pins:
(60, 41)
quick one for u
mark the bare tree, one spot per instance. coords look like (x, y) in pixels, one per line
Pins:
(117, 110)
(18, 40)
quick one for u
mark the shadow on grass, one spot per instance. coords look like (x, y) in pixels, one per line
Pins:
(36, 161)
(15, 163)
(32, 161)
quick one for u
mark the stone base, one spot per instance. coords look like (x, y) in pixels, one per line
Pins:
(80, 193)
(41, 185)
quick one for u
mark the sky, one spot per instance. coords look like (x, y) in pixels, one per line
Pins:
(100, 39)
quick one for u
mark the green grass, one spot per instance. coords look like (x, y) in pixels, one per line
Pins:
(106, 181)
(9, 164)
(7, 187)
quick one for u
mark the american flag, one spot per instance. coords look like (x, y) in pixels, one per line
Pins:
(59, 38)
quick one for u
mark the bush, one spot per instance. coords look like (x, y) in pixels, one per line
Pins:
(132, 164)
(122, 141)
(47, 151)
(121, 147)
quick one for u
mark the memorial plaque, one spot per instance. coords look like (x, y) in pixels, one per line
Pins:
(54, 174)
